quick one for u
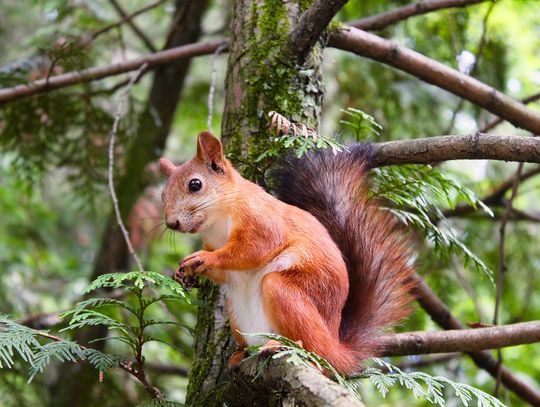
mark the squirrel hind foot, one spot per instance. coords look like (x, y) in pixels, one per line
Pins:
(235, 361)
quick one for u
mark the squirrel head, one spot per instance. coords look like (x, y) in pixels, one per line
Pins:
(198, 191)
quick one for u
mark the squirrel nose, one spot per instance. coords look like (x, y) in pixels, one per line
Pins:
(174, 225)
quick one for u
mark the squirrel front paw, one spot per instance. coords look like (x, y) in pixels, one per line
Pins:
(197, 263)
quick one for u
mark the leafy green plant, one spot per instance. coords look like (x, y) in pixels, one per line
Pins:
(415, 194)
(125, 315)
(363, 126)
(424, 386)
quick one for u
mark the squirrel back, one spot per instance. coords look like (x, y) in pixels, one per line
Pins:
(334, 188)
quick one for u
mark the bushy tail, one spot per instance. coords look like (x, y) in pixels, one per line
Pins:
(334, 188)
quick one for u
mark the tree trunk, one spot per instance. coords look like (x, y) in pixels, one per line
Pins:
(259, 80)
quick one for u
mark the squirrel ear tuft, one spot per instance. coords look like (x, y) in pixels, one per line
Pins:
(166, 167)
(209, 149)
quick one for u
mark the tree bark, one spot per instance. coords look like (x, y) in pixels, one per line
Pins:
(259, 79)
(290, 386)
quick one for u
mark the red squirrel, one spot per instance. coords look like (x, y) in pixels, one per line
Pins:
(321, 265)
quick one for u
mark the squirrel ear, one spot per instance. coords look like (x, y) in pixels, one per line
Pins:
(166, 167)
(210, 151)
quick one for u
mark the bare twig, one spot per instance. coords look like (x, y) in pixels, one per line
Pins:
(126, 18)
(164, 369)
(493, 198)
(380, 21)
(502, 266)
(91, 74)
(134, 27)
(436, 73)
(119, 112)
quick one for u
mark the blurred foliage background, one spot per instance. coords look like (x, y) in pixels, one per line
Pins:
(54, 201)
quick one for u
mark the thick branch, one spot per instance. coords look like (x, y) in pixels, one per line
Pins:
(440, 313)
(472, 147)
(310, 27)
(393, 16)
(91, 74)
(462, 340)
(436, 73)
(293, 385)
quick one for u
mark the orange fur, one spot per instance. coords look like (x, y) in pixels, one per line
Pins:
(281, 267)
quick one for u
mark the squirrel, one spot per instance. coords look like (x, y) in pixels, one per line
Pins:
(322, 265)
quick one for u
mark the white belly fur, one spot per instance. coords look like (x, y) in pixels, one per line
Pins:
(243, 290)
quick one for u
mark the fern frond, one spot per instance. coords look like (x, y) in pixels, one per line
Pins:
(97, 303)
(64, 351)
(103, 361)
(88, 317)
(364, 126)
(425, 386)
(16, 339)
(138, 279)
(297, 355)
(415, 193)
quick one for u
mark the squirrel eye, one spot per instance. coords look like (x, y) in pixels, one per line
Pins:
(195, 185)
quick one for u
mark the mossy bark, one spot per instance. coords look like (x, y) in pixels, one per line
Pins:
(259, 80)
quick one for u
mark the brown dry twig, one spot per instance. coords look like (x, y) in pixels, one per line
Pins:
(282, 126)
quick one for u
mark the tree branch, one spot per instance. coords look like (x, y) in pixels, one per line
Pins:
(134, 27)
(380, 21)
(440, 313)
(495, 122)
(126, 18)
(495, 197)
(462, 340)
(294, 385)
(91, 74)
(472, 147)
(436, 73)
(164, 369)
(310, 27)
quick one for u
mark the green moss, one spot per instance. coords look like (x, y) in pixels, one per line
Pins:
(209, 293)
(272, 82)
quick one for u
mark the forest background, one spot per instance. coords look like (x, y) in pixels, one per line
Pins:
(475, 222)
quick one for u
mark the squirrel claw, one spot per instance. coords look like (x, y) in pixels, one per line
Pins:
(187, 280)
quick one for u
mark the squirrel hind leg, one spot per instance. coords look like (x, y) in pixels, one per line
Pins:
(292, 314)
